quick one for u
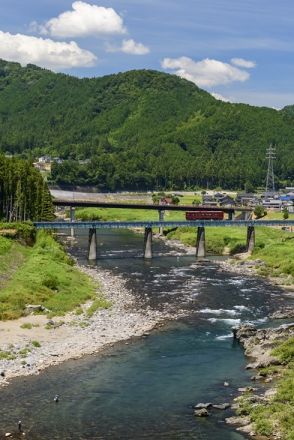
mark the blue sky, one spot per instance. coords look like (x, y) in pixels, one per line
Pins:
(241, 50)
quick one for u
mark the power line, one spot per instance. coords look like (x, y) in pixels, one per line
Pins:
(270, 178)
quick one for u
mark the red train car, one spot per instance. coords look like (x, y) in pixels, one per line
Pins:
(204, 215)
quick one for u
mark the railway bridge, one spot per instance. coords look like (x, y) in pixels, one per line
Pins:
(148, 226)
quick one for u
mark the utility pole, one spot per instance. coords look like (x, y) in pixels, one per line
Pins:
(270, 178)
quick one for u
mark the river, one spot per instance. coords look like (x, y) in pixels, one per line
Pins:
(146, 389)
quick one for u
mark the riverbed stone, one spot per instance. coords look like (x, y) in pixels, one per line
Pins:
(263, 362)
(201, 412)
(203, 405)
(245, 331)
(33, 308)
(238, 420)
(284, 313)
(246, 389)
(222, 406)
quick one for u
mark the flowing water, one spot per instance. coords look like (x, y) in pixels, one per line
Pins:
(145, 389)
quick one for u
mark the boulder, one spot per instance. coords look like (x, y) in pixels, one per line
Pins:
(201, 412)
(285, 313)
(202, 405)
(33, 308)
(238, 420)
(53, 324)
(245, 331)
(265, 360)
(222, 406)
(257, 377)
(246, 389)
(247, 429)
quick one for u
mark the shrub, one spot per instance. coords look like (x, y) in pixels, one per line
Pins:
(259, 211)
(36, 344)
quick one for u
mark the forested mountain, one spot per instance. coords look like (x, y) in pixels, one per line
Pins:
(24, 194)
(140, 129)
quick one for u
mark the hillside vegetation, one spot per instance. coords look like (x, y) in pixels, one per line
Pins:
(139, 129)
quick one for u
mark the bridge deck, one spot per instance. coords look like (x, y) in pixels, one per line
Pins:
(95, 204)
(164, 224)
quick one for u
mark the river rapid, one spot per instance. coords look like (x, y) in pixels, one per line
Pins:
(146, 388)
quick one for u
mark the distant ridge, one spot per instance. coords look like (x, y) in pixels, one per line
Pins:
(140, 129)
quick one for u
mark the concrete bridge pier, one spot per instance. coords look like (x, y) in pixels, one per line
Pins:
(250, 239)
(148, 243)
(200, 243)
(161, 219)
(92, 250)
(231, 215)
(72, 219)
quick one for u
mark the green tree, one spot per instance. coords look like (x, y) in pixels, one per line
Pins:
(259, 211)
(285, 213)
(24, 195)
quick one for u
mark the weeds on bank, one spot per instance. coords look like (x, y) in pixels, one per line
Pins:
(14, 353)
(277, 414)
(36, 344)
(29, 326)
(47, 277)
(98, 304)
(7, 355)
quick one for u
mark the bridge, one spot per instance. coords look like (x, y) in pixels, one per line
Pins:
(84, 203)
(92, 226)
(75, 203)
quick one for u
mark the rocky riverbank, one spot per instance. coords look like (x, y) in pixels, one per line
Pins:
(259, 408)
(33, 343)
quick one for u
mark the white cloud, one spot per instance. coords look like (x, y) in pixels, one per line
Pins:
(205, 73)
(84, 20)
(240, 62)
(44, 52)
(130, 47)
(133, 48)
(221, 97)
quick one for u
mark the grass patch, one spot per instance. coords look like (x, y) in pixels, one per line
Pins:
(217, 239)
(29, 326)
(36, 344)
(98, 304)
(7, 356)
(79, 311)
(24, 231)
(276, 215)
(285, 352)
(24, 352)
(46, 277)
(12, 256)
(117, 214)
